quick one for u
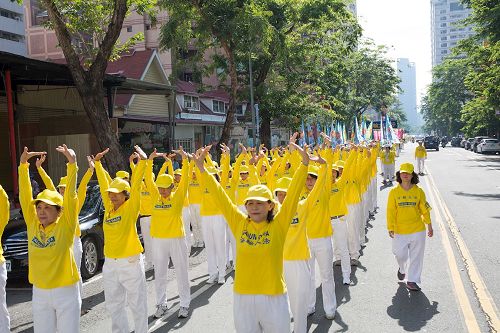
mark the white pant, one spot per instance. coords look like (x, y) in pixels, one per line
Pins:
(261, 313)
(322, 252)
(196, 223)
(353, 230)
(409, 252)
(388, 170)
(214, 233)
(163, 250)
(145, 223)
(374, 194)
(420, 165)
(124, 282)
(186, 219)
(365, 198)
(340, 245)
(4, 313)
(298, 277)
(57, 309)
(78, 252)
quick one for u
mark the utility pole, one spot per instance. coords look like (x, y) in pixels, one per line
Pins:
(252, 109)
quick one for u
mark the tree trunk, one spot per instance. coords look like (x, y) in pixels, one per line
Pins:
(228, 124)
(265, 129)
(93, 103)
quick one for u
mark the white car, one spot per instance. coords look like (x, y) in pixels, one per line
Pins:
(488, 146)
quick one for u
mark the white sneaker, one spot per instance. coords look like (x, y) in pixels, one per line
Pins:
(161, 310)
(212, 279)
(330, 316)
(183, 312)
(221, 281)
(347, 281)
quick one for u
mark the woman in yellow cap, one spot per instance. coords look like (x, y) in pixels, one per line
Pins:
(4, 219)
(408, 214)
(123, 271)
(51, 222)
(260, 300)
(168, 235)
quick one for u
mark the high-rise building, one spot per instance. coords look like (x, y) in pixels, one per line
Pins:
(408, 95)
(12, 28)
(447, 27)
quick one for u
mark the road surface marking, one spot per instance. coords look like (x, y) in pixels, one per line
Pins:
(173, 310)
(473, 160)
(482, 294)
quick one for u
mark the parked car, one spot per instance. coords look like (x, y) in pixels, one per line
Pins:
(15, 238)
(476, 141)
(431, 142)
(468, 144)
(488, 146)
(455, 141)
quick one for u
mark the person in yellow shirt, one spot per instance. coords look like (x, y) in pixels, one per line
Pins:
(260, 300)
(4, 219)
(123, 273)
(388, 160)
(51, 222)
(186, 212)
(420, 156)
(168, 234)
(82, 193)
(408, 214)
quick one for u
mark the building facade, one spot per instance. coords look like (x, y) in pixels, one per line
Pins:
(408, 95)
(12, 35)
(447, 28)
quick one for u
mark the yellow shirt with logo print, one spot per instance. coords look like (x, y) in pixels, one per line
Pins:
(120, 230)
(407, 211)
(259, 246)
(51, 261)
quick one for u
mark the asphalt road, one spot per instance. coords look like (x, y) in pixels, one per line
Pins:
(459, 293)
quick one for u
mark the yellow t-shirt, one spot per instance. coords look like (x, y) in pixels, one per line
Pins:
(387, 158)
(120, 230)
(166, 218)
(4, 217)
(146, 201)
(407, 211)
(337, 204)
(420, 152)
(51, 261)
(195, 192)
(259, 246)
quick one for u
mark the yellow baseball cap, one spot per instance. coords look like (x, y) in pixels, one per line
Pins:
(49, 197)
(178, 172)
(212, 170)
(118, 185)
(164, 181)
(244, 169)
(282, 184)
(122, 174)
(63, 181)
(340, 164)
(259, 193)
(335, 167)
(313, 170)
(406, 168)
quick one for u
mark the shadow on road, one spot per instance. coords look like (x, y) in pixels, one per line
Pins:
(412, 309)
(486, 196)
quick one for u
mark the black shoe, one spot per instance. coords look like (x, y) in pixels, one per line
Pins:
(354, 262)
(412, 286)
(401, 276)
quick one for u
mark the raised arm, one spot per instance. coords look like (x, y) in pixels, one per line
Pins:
(25, 190)
(82, 188)
(4, 209)
(136, 184)
(181, 192)
(45, 177)
(70, 200)
(148, 178)
(103, 179)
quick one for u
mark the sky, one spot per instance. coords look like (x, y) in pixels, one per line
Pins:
(404, 26)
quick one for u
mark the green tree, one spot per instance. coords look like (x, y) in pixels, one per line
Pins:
(88, 33)
(446, 96)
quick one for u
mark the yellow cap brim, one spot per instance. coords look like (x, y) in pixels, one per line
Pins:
(115, 190)
(263, 199)
(47, 201)
(280, 190)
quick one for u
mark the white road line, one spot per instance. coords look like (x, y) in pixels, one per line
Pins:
(473, 160)
(483, 296)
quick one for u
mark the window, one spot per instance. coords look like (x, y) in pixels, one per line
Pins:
(187, 144)
(129, 28)
(454, 6)
(38, 14)
(444, 38)
(442, 11)
(191, 103)
(443, 32)
(442, 25)
(443, 18)
(453, 37)
(148, 26)
(444, 44)
(218, 106)
(188, 77)
(239, 110)
(444, 52)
